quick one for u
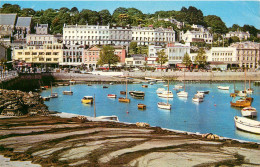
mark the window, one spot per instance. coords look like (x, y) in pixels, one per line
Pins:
(27, 53)
(20, 53)
(48, 53)
(34, 53)
(48, 59)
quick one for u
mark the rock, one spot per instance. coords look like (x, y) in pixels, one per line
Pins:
(142, 124)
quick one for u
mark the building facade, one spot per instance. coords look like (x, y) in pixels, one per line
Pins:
(201, 35)
(7, 24)
(176, 52)
(42, 29)
(240, 34)
(46, 54)
(23, 27)
(40, 39)
(149, 35)
(120, 35)
(248, 54)
(72, 56)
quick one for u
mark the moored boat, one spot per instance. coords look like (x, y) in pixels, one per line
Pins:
(123, 99)
(242, 102)
(203, 91)
(160, 90)
(87, 99)
(246, 124)
(105, 86)
(46, 98)
(122, 92)
(178, 86)
(137, 94)
(145, 86)
(163, 105)
(182, 94)
(197, 99)
(249, 112)
(141, 106)
(165, 94)
(223, 87)
(111, 95)
(110, 118)
(67, 92)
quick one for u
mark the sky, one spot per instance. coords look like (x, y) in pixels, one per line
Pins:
(231, 12)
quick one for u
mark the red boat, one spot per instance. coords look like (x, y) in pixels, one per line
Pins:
(111, 96)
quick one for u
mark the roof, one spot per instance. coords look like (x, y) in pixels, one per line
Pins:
(23, 21)
(94, 48)
(7, 19)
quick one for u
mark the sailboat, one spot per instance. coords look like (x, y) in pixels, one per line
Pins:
(183, 93)
(124, 99)
(243, 93)
(249, 90)
(68, 92)
(53, 95)
(164, 105)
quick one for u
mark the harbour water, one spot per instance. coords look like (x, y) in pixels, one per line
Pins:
(213, 115)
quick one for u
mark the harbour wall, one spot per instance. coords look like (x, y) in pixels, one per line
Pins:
(198, 76)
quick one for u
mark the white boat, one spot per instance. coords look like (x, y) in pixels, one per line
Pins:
(197, 99)
(165, 94)
(178, 86)
(249, 91)
(200, 95)
(53, 95)
(111, 95)
(223, 87)
(68, 92)
(110, 118)
(249, 112)
(246, 124)
(182, 94)
(163, 105)
(242, 93)
(160, 90)
(203, 91)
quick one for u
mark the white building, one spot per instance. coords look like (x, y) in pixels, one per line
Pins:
(41, 29)
(149, 35)
(153, 50)
(223, 54)
(72, 56)
(176, 52)
(240, 34)
(40, 39)
(203, 35)
(86, 35)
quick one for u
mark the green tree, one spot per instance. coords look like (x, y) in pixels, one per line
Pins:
(186, 60)
(107, 56)
(215, 22)
(9, 8)
(74, 10)
(27, 12)
(201, 59)
(162, 57)
(105, 17)
(133, 48)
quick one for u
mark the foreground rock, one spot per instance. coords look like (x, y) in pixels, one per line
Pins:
(54, 141)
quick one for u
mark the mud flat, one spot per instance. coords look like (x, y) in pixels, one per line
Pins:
(56, 141)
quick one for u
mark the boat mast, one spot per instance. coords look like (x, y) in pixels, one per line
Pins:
(70, 86)
(94, 106)
(245, 79)
(184, 80)
(168, 93)
(51, 88)
(126, 89)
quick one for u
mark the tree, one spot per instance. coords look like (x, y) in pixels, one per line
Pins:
(186, 60)
(74, 10)
(215, 22)
(133, 48)
(105, 17)
(107, 56)
(200, 59)
(162, 57)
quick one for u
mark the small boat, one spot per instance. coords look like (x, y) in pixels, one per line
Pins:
(182, 94)
(197, 99)
(178, 86)
(53, 95)
(141, 106)
(137, 94)
(68, 92)
(223, 87)
(246, 124)
(165, 94)
(200, 95)
(145, 86)
(242, 93)
(163, 105)
(66, 84)
(111, 83)
(160, 90)
(249, 112)
(203, 91)
(46, 98)
(123, 99)
(110, 118)
(89, 85)
(72, 82)
(122, 92)
(111, 95)
(87, 100)
(151, 83)
(105, 86)
(60, 84)
(242, 102)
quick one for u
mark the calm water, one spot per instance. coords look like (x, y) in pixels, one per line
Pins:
(214, 115)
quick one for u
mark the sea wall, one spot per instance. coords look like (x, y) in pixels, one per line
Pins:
(198, 76)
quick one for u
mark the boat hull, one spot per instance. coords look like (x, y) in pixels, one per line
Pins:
(124, 100)
(245, 103)
(165, 106)
(182, 94)
(223, 87)
(141, 106)
(246, 124)
(111, 96)
(87, 101)
(67, 92)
